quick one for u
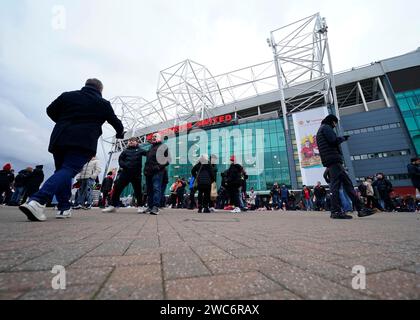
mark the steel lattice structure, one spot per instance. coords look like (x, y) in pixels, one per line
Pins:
(188, 91)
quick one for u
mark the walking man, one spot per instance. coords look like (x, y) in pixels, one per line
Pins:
(332, 158)
(130, 162)
(79, 116)
(87, 177)
(157, 160)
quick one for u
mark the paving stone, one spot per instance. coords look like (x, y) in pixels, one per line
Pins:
(183, 265)
(117, 261)
(310, 286)
(373, 264)
(210, 253)
(244, 265)
(392, 285)
(138, 283)
(112, 248)
(70, 293)
(321, 268)
(179, 254)
(220, 287)
(276, 295)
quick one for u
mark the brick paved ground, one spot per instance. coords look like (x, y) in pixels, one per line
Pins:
(183, 255)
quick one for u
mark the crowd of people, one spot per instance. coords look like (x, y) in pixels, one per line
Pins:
(79, 116)
(16, 189)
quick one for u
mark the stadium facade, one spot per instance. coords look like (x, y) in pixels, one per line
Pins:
(378, 105)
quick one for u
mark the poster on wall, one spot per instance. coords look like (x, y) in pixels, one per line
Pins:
(306, 126)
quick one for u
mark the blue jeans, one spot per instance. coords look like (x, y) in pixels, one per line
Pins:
(68, 165)
(308, 204)
(154, 190)
(276, 201)
(85, 192)
(17, 195)
(346, 203)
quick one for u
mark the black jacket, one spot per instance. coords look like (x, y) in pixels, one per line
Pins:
(414, 172)
(22, 178)
(152, 165)
(6, 178)
(320, 192)
(204, 173)
(383, 186)
(79, 116)
(35, 179)
(107, 184)
(235, 175)
(329, 145)
(131, 159)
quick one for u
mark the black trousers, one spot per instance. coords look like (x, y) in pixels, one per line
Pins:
(339, 177)
(204, 196)
(233, 192)
(123, 181)
(372, 202)
(389, 206)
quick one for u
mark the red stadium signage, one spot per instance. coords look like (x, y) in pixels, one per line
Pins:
(194, 125)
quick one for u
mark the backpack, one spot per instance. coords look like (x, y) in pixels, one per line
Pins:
(363, 189)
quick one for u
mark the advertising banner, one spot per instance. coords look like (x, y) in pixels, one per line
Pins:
(306, 125)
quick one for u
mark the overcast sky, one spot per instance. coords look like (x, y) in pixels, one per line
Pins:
(126, 43)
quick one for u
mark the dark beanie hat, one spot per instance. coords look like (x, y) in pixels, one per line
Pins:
(330, 119)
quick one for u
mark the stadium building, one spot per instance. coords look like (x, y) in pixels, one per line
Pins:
(378, 105)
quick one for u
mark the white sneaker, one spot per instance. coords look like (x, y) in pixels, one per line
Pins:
(142, 210)
(236, 210)
(110, 209)
(213, 210)
(63, 214)
(34, 211)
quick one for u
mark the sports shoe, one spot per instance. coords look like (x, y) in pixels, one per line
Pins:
(206, 210)
(78, 207)
(154, 211)
(341, 216)
(236, 210)
(34, 211)
(142, 210)
(213, 210)
(110, 209)
(87, 208)
(365, 213)
(63, 214)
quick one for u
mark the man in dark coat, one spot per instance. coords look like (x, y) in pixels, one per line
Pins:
(106, 188)
(35, 179)
(21, 181)
(131, 162)
(234, 179)
(6, 179)
(204, 173)
(414, 172)
(157, 160)
(332, 158)
(79, 116)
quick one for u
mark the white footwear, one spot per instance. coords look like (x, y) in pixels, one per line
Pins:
(213, 210)
(142, 210)
(236, 210)
(110, 209)
(63, 214)
(34, 211)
